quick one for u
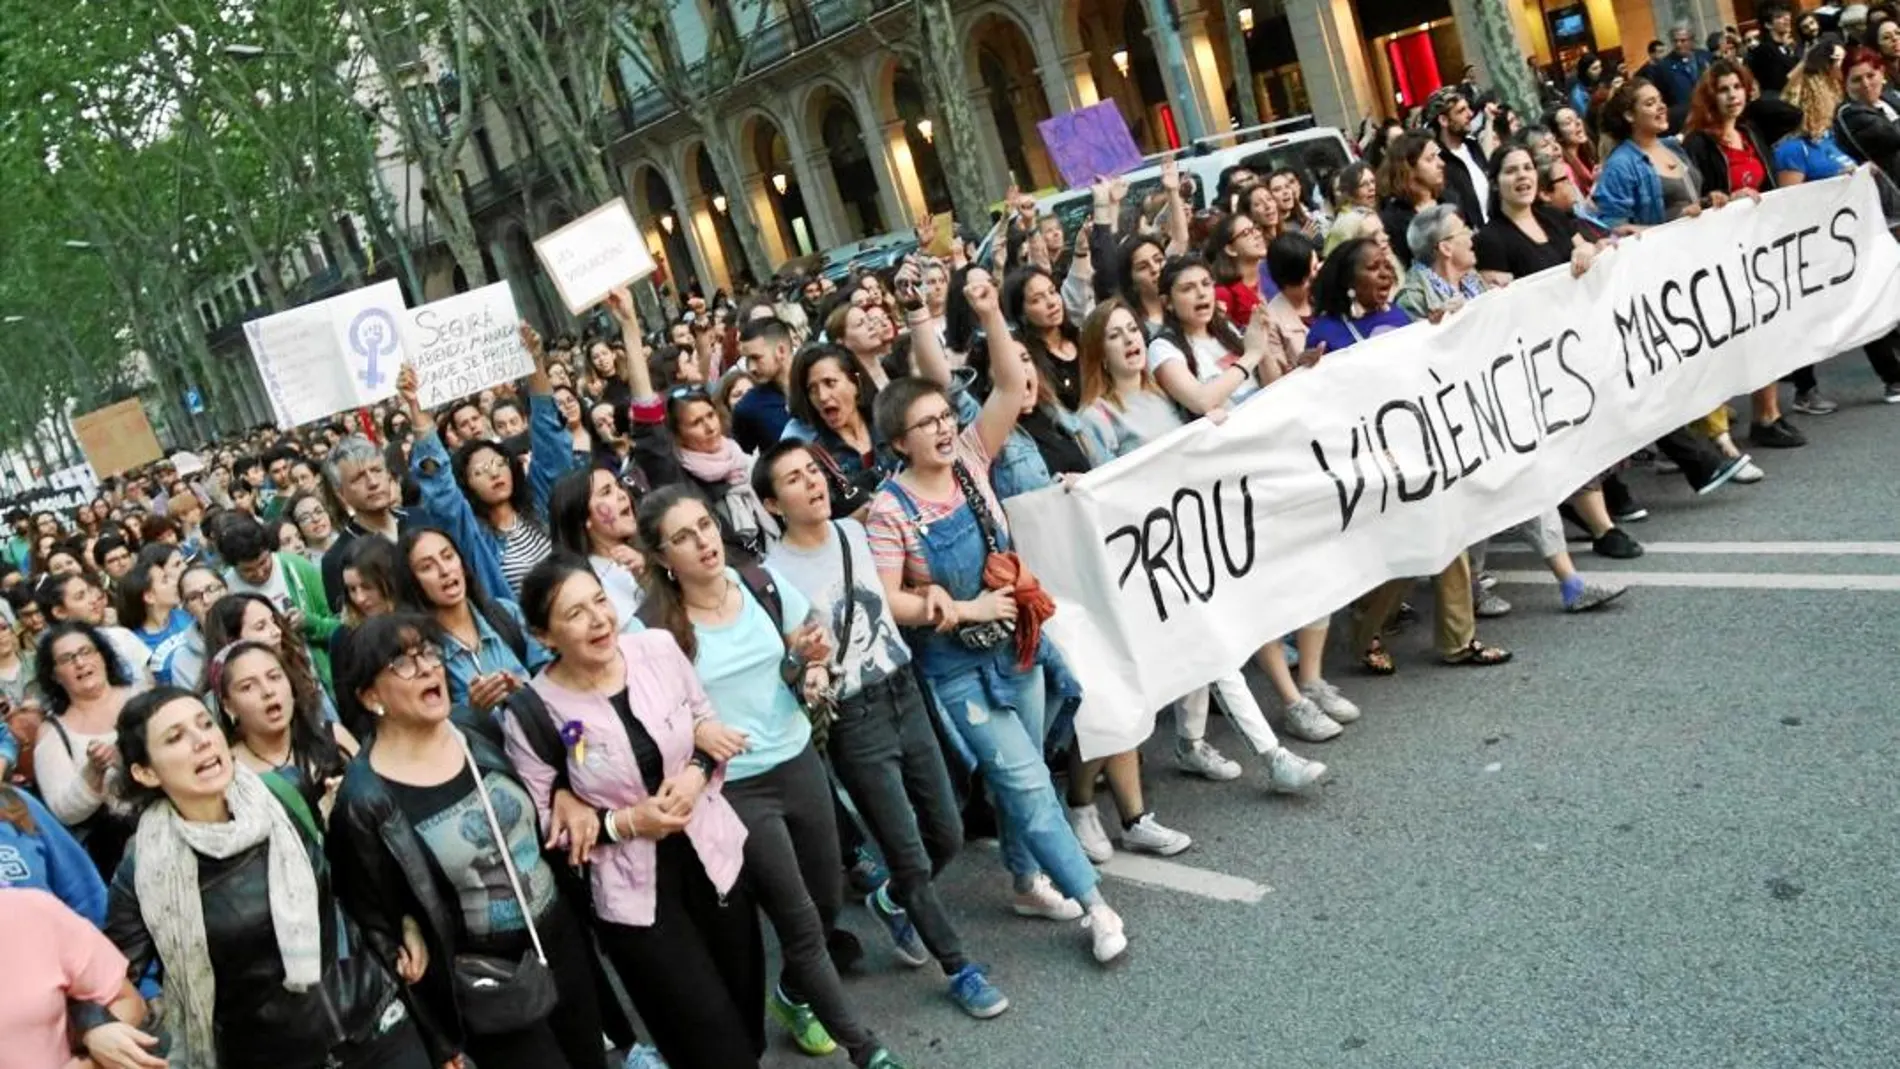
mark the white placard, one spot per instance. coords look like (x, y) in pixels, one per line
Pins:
(463, 344)
(1171, 566)
(588, 257)
(320, 359)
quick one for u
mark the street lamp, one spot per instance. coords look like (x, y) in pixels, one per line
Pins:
(10, 320)
(1120, 59)
(75, 243)
(1245, 15)
(926, 130)
(719, 203)
(781, 183)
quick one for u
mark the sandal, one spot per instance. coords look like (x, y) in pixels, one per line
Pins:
(1479, 655)
(1377, 660)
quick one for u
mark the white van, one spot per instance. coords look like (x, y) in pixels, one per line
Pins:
(1316, 152)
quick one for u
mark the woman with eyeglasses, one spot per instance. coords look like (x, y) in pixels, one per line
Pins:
(441, 897)
(85, 688)
(1236, 249)
(580, 441)
(313, 521)
(490, 653)
(750, 659)
(669, 907)
(272, 730)
(942, 552)
(200, 586)
(227, 891)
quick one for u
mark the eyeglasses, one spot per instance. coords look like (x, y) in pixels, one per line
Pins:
(413, 662)
(309, 515)
(211, 592)
(486, 468)
(689, 392)
(703, 533)
(933, 424)
(85, 653)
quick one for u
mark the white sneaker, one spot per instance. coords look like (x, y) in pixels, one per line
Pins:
(1043, 900)
(1106, 938)
(1152, 837)
(1288, 772)
(1330, 701)
(1304, 721)
(1086, 822)
(1749, 473)
(1203, 760)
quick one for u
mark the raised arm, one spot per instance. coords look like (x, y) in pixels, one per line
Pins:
(633, 366)
(1007, 377)
(1177, 207)
(926, 349)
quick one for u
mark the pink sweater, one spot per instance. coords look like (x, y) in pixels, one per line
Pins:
(665, 695)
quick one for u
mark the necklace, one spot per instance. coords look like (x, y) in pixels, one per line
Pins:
(267, 759)
(725, 593)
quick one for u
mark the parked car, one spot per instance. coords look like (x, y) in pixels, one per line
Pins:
(875, 254)
(1316, 152)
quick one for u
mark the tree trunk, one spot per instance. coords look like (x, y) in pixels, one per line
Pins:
(738, 201)
(1242, 67)
(1504, 59)
(947, 96)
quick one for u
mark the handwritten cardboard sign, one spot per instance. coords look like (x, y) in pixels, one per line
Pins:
(330, 356)
(1090, 143)
(117, 438)
(466, 343)
(588, 257)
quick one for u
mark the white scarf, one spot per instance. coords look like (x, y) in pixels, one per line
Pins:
(167, 848)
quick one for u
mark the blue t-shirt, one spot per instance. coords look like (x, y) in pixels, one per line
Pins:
(738, 664)
(1815, 159)
(165, 644)
(50, 859)
(760, 417)
(1343, 334)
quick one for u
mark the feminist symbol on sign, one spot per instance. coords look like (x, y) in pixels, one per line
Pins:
(372, 334)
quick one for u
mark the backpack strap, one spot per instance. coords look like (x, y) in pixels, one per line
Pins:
(765, 589)
(531, 713)
(293, 802)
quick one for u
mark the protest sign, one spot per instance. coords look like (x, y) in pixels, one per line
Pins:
(331, 356)
(588, 257)
(1090, 143)
(1173, 565)
(464, 344)
(117, 438)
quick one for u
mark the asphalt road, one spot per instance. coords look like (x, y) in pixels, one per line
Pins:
(1665, 836)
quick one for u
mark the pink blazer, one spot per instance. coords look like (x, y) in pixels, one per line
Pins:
(665, 694)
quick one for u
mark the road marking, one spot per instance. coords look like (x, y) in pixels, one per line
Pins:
(1761, 549)
(1170, 876)
(1721, 580)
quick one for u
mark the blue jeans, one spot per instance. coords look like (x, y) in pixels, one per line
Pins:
(1005, 731)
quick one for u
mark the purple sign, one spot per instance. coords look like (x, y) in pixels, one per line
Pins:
(1090, 143)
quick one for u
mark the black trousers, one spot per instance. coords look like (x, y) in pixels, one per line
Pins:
(697, 973)
(1698, 457)
(1883, 353)
(399, 1048)
(570, 1037)
(886, 754)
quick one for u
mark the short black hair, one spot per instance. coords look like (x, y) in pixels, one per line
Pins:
(241, 539)
(242, 465)
(373, 647)
(771, 328)
(1290, 259)
(762, 471)
(281, 452)
(104, 546)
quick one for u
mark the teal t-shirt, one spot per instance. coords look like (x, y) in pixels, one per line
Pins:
(738, 664)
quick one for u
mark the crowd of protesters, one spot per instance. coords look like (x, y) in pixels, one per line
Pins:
(396, 741)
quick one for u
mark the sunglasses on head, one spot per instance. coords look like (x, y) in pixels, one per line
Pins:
(688, 392)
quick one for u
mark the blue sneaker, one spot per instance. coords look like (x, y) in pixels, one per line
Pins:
(1291, 645)
(866, 872)
(641, 1056)
(909, 945)
(973, 993)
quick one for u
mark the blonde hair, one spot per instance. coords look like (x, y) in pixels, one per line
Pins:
(1818, 96)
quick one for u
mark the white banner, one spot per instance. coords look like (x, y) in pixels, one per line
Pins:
(1173, 565)
(464, 344)
(331, 356)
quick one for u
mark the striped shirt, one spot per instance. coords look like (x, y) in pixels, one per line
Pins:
(522, 547)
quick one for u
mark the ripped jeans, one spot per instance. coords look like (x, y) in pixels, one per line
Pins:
(1000, 716)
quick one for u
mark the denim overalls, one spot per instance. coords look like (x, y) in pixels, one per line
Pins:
(996, 711)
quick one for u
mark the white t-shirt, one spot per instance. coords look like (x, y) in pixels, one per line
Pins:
(1480, 181)
(1211, 359)
(873, 650)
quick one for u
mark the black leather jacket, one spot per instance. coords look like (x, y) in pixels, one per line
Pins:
(1865, 133)
(260, 1023)
(384, 873)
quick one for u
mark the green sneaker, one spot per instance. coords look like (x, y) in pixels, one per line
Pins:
(883, 1059)
(797, 1018)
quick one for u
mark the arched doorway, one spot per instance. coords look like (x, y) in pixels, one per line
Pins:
(1114, 35)
(653, 202)
(767, 155)
(920, 135)
(718, 211)
(1006, 65)
(851, 168)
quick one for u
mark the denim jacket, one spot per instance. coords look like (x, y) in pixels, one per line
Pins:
(665, 695)
(1629, 190)
(491, 654)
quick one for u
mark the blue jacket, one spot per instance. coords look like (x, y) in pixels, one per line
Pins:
(1676, 74)
(1628, 189)
(445, 505)
(49, 859)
